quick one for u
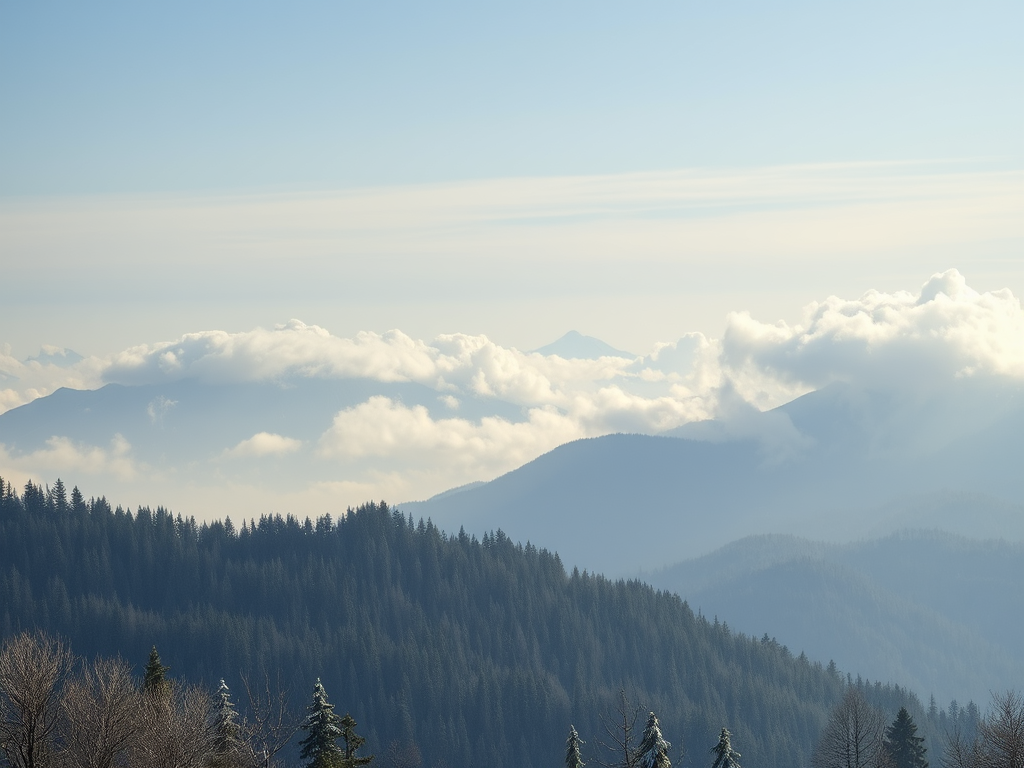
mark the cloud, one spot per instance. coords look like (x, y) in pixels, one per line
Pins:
(34, 378)
(383, 428)
(158, 408)
(264, 444)
(882, 340)
(784, 212)
(944, 333)
(63, 456)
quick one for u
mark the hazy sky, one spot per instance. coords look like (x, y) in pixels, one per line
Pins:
(633, 171)
(511, 171)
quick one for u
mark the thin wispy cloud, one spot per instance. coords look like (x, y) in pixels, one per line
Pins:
(653, 216)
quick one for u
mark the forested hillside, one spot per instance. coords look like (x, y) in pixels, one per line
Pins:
(477, 652)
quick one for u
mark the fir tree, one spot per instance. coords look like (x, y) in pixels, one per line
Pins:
(902, 744)
(572, 749)
(352, 743)
(225, 729)
(653, 747)
(323, 730)
(155, 679)
(725, 756)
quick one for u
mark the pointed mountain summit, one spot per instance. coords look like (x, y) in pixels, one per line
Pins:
(574, 345)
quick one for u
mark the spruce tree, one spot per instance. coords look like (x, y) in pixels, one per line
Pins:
(653, 747)
(572, 749)
(902, 744)
(323, 730)
(725, 756)
(155, 679)
(225, 729)
(352, 743)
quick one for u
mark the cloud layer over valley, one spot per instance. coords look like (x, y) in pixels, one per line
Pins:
(304, 418)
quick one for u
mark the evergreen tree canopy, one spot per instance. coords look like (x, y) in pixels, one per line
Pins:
(725, 755)
(155, 678)
(572, 749)
(653, 747)
(470, 651)
(323, 729)
(225, 727)
(902, 744)
(352, 743)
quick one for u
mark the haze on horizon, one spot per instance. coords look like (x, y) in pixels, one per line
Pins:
(190, 179)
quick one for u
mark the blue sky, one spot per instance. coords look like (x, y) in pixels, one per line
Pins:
(483, 177)
(141, 97)
(118, 116)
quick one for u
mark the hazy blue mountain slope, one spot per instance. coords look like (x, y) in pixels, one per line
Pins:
(189, 425)
(836, 464)
(939, 613)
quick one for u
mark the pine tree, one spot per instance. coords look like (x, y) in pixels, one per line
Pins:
(653, 747)
(572, 749)
(155, 679)
(902, 744)
(225, 729)
(352, 743)
(725, 756)
(323, 730)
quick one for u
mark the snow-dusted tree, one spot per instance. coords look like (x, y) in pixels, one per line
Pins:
(225, 730)
(572, 749)
(725, 755)
(653, 747)
(903, 746)
(323, 730)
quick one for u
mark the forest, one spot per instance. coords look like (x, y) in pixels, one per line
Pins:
(445, 647)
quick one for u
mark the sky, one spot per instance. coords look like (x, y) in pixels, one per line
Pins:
(640, 173)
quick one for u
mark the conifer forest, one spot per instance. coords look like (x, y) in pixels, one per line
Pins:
(144, 638)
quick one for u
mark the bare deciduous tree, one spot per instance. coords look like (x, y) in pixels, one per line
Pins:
(103, 711)
(32, 670)
(852, 737)
(1002, 732)
(177, 731)
(269, 725)
(620, 734)
(961, 751)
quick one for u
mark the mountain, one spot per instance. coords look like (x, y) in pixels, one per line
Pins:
(938, 613)
(575, 345)
(191, 425)
(476, 651)
(838, 464)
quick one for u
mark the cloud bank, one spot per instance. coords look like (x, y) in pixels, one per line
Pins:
(906, 340)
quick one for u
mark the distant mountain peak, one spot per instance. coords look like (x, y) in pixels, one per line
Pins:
(574, 345)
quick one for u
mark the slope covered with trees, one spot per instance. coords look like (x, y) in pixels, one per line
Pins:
(468, 651)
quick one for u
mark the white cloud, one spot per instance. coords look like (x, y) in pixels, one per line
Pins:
(943, 333)
(31, 379)
(383, 428)
(63, 456)
(264, 444)
(882, 340)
